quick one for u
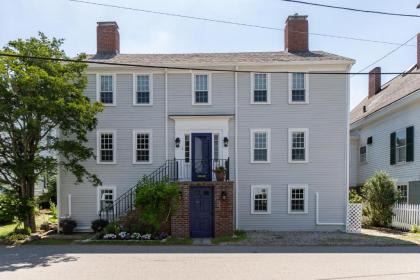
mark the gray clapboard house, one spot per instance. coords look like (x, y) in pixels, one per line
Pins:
(384, 131)
(282, 137)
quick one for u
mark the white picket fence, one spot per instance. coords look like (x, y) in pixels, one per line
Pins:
(406, 215)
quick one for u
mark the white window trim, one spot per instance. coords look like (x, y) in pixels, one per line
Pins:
(268, 187)
(150, 132)
(408, 188)
(268, 131)
(306, 131)
(150, 75)
(252, 77)
(306, 89)
(98, 145)
(209, 89)
(98, 194)
(289, 198)
(114, 88)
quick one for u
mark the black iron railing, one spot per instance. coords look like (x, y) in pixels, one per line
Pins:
(171, 171)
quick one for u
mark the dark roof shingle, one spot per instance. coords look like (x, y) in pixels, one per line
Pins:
(397, 88)
(222, 58)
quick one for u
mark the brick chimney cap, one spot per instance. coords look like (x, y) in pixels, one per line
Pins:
(296, 17)
(105, 23)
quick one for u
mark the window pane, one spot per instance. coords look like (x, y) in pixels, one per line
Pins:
(107, 97)
(106, 147)
(201, 97)
(401, 137)
(260, 154)
(260, 200)
(298, 81)
(187, 147)
(216, 146)
(143, 83)
(403, 189)
(298, 146)
(142, 147)
(363, 154)
(260, 96)
(260, 81)
(297, 200)
(201, 83)
(260, 140)
(106, 91)
(298, 95)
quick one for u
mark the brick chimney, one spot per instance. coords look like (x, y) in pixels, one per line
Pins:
(107, 38)
(296, 34)
(374, 81)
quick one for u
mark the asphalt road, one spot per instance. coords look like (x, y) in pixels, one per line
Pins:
(207, 262)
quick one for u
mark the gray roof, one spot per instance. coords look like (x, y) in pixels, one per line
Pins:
(222, 58)
(397, 88)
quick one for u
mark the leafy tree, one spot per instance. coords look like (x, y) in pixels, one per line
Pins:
(380, 195)
(38, 99)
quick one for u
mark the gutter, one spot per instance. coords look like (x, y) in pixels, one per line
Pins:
(236, 151)
(166, 114)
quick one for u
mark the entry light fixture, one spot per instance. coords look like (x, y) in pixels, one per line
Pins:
(177, 141)
(226, 141)
(224, 195)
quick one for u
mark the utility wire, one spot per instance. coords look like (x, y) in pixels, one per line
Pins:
(185, 68)
(352, 9)
(233, 22)
(387, 54)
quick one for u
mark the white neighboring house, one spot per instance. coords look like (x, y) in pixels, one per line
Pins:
(384, 131)
(283, 135)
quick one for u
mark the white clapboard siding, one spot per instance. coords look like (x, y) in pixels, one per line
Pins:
(406, 215)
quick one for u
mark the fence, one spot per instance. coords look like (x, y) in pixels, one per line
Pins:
(354, 218)
(406, 215)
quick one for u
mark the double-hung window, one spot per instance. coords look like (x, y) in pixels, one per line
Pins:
(298, 145)
(298, 93)
(143, 89)
(363, 154)
(260, 199)
(106, 89)
(106, 146)
(201, 89)
(142, 150)
(403, 191)
(106, 198)
(260, 88)
(402, 145)
(260, 145)
(298, 199)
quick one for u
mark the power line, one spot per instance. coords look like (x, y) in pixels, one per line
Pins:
(186, 68)
(352, 9)
(234, 23)
(387, 54)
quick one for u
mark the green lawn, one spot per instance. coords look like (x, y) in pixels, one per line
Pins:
(5, 230)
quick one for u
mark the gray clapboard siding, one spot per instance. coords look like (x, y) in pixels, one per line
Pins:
(325, 118)
(378, 153)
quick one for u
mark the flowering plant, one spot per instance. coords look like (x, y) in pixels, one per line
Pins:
(146, 236)
(136, 236)
(123, 235)
(110, 236)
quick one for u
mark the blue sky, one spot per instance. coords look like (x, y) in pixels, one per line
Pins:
(146, 33)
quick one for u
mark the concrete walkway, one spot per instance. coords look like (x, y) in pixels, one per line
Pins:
(207, 262)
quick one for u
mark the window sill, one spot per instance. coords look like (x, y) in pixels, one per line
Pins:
(201, 104)
(260, 213)
(107, 104)
(298, 161)
(143, 105)
(260, 103)
(297, 213)
(106, 163)
(260, 162)
(143, 163)
(298, 103)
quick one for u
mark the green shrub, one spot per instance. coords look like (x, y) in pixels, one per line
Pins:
(415, 229)
(112, 228)
(15, 238)
(53, 209)
(8, 208)
(380, 194)
(157, 201)
(354, 197)
(22, 231)
(98, 225)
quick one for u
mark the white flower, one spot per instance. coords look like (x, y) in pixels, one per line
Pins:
(136, 235)
(146, 236)
(110, 236)
(122, 235)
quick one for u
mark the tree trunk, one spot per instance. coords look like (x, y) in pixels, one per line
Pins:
(29, 193)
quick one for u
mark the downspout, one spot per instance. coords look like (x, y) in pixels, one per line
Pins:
(236, 150)
(347, 171)
(58, 185)
(166, 114)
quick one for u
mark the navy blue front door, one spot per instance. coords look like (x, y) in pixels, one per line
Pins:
(201, 211)
(201, 157)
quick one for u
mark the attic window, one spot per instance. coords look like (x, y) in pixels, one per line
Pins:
(364, 109)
